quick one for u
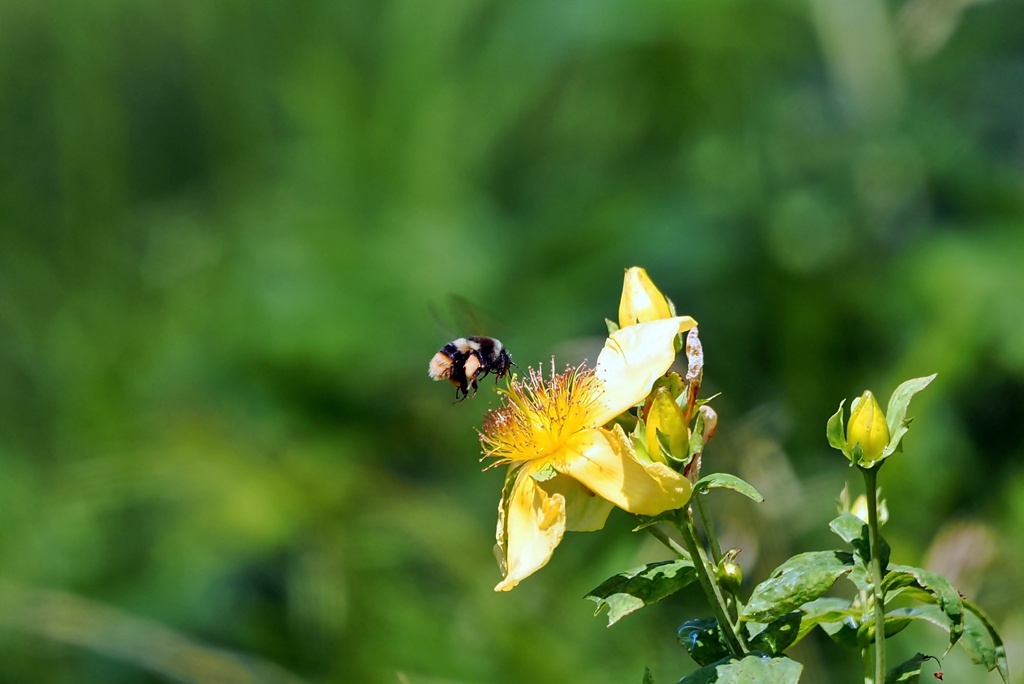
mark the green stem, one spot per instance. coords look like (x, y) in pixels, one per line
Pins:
(732, 600)
(668, 541)
(870, 484)
(709, 530)
(706, 575)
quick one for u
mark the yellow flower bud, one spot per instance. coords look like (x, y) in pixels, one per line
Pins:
(868, 428)
(641, 301)
(665, 417)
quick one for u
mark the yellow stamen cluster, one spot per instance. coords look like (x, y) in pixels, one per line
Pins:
(537, 415)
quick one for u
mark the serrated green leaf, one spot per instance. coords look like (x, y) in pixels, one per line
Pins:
(896, 411)
(835, 432)
(634, 589)
(777, 635)
(855, 532)
(935, 585)
(908, 672)
(728, 481)
(800, 579)
(703, 640)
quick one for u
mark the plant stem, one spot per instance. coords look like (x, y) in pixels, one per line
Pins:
(870, 484)
(732, 600)
(709, 530)
(668, 541)
(706, 575)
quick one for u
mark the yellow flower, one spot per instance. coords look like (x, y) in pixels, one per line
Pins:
(868, 428)
(641, 301)
(567, 470)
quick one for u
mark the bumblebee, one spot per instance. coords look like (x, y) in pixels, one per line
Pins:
(466, 360)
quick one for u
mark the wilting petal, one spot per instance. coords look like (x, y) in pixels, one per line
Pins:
(530, 525)
(585, 511)
(632, 359)
(603, 461)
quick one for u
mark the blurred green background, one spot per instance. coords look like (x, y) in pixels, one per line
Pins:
(232, 234)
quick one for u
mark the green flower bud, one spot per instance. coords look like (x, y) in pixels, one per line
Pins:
(729, 575)
(867, 428)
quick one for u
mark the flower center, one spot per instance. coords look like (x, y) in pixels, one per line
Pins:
(538, 415)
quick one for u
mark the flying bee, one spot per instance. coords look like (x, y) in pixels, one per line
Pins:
(466, 360)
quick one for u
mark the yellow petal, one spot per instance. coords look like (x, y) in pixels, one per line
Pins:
(665, 417)
(530, 525)
(860, 509)
(585, 511)
(641, 301)
(604, 462)
(868, 428)
(632, 359)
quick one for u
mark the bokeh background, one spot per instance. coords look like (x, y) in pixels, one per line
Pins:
(233, 233)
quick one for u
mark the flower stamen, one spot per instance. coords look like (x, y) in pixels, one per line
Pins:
(539, 414)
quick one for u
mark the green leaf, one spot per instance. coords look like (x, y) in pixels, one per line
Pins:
(848, 527)
(727, 481)
(855, 532)
(845, 633)
(632, 590)
(648, 677)
(696, 442)
(983, 643)
(645, 521)
(935, 585)
(705, 675)
(980, 640)
(612, 326)
(908, 672)
(895, 622)
(777, 635)
(832, 611)
(861, 577)
(896, 412)
(800, 579)
(835, 433)
(703, 640)
(751, 670)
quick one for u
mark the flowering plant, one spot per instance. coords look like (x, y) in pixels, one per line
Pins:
(631, 433)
